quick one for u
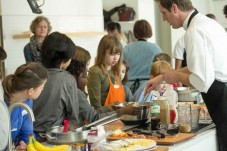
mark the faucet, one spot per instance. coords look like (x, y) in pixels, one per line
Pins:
(30, 113)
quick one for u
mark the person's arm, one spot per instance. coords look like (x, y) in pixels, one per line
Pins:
(27, 125)
(4, 130)
(94, 89)
(27, 53)
(170, 76)
(72, 101)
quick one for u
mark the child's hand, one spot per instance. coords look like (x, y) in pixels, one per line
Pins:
(21, 147)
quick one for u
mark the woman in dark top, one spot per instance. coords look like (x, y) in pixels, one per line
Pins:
(40, 27)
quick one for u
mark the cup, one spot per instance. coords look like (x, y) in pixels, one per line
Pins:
(188, 118)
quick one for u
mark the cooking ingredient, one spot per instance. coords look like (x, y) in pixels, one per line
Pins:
(40, 147)
(30, 146)
(185, 128)
(119, 133)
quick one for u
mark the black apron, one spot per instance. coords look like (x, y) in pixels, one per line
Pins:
(136, 84)
(216, 102)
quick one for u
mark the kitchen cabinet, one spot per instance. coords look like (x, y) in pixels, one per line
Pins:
(144, 9)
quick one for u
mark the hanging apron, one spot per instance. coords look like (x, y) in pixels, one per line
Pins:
(116, 92)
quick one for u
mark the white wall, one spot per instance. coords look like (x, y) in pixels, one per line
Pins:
(65, 16)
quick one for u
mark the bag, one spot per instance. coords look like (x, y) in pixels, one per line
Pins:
(126, 14)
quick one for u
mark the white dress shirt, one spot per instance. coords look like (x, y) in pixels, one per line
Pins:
(179, 49)
(206, 47)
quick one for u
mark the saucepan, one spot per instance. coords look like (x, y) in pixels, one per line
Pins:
(186, 94)
(56, 136)
(141, 117)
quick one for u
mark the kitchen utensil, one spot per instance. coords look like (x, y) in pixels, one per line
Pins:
(86, 127)
(187, 95)
(145, 97)
(56, 136)
(141, 117)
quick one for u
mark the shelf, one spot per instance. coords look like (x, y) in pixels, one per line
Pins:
(27, 35)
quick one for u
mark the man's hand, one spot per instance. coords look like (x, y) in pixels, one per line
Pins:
(170, 76)
(21, 147)
(153, 83)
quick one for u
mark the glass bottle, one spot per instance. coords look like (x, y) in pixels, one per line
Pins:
(155, 115)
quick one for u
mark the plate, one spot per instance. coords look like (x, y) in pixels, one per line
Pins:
(131, 145)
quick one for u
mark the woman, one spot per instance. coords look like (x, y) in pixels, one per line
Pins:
(24, 85)
(40, 27)
(104, 84)
(136, 53)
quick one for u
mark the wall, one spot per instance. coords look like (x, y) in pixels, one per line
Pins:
(65, 16)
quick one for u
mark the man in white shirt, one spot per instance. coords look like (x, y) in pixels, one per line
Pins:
(206, 44)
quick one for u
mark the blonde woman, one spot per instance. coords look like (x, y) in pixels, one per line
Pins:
(40, 27)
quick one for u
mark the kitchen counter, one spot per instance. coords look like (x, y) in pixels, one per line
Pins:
(205, 141)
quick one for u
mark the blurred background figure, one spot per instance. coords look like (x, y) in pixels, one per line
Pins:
(40, 27)
(138, 52)
(124, 80)
(162, 57)
(83, 55)
(114, 28)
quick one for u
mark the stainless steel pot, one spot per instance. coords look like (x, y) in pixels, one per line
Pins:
(187, 95)
(57, 136)
(142, 116)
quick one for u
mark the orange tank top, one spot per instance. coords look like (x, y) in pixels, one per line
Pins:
(116, 92)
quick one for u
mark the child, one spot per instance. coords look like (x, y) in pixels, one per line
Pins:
(162, 57)
(87, 113)
(24, 85)
(59, 100)
(124, 78)
(157, 68)
(82, 55)
(104, 86)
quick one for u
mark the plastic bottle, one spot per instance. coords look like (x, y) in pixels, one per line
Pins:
(95, 137)
(172, 98)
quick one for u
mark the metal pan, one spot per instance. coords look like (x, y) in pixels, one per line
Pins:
(57, 136)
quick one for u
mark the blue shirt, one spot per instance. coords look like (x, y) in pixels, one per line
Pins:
(139, 94)
(21, 125)
(139, 56)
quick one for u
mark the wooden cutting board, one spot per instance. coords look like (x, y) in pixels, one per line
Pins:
(168, 140)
